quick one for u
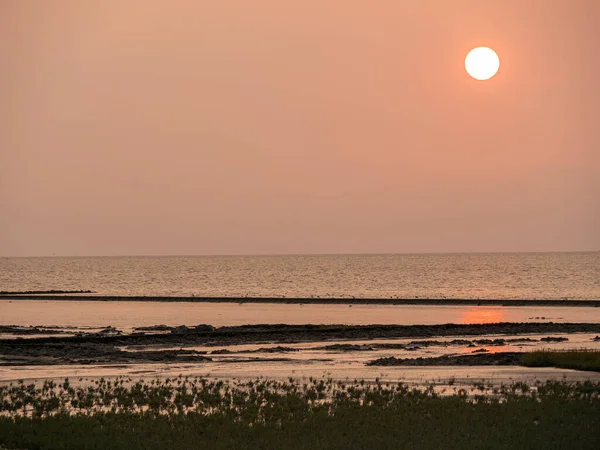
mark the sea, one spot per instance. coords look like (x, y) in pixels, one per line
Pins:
(503, 276)
(506, 276)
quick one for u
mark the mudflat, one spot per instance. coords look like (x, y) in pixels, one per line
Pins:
(161, 343)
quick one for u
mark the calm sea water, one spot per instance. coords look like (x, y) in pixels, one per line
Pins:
(479, 276)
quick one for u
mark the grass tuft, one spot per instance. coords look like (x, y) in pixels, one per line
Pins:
(187, 413)
(584, 359)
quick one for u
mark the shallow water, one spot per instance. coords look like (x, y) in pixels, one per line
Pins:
(126, 315)
(309, 360)
(542, 276)
(419, 376)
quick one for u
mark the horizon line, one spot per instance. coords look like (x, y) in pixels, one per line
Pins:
(297, 254)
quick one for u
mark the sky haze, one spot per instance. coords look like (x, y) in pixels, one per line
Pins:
(315, 126)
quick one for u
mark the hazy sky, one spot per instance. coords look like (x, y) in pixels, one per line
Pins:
(314, 126)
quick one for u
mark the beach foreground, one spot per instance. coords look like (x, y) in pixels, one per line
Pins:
(142, 384)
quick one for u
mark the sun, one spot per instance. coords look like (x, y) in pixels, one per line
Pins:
(482, 63)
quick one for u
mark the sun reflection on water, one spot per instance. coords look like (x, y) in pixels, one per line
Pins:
(479, 314)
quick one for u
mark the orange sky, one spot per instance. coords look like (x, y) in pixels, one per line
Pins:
(313, 126)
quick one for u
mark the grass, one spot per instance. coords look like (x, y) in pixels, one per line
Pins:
(569, 359)
(187, 413)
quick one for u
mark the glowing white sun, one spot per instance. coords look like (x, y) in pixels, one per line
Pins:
(482, 63)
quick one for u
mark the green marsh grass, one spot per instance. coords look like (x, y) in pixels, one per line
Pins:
(188, 413)
(581, 359)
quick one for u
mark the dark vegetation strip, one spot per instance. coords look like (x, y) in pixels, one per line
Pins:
(569, 359)
(566, 359)
(310, 300)
(184, 413)
(53, 291)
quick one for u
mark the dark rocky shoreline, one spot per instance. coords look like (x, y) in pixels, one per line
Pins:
(4, 294)
(89, 353)
(257, 334)
(482, 359)
(72, 295)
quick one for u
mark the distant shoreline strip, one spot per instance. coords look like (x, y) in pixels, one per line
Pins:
(309, 301)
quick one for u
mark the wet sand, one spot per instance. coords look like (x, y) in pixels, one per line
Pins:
(415, 375)
(479, 353)
(205, 343)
